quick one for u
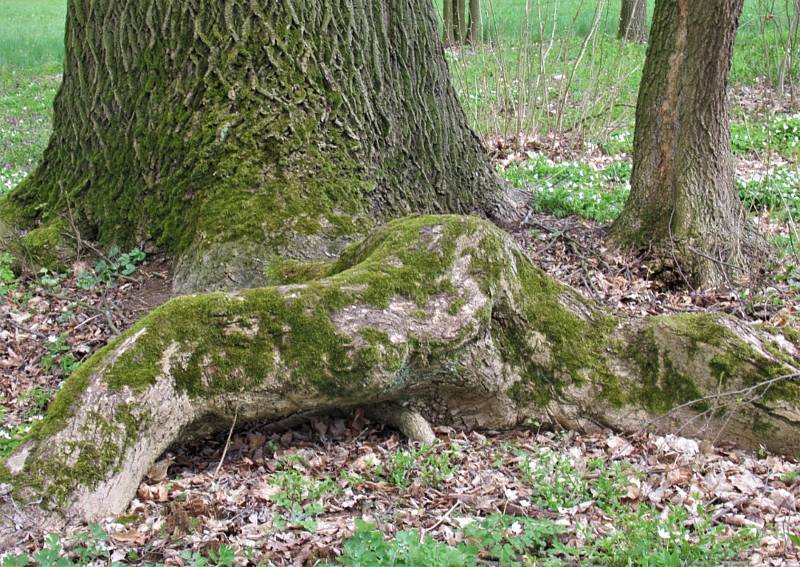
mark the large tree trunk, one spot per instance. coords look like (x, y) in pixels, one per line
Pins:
(633, 21)
(234, 133)
(439, 319)
(684, 203)
(248, 135)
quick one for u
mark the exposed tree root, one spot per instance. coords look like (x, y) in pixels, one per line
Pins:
(431, 319)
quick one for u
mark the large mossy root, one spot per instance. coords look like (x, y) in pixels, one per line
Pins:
(431, 319)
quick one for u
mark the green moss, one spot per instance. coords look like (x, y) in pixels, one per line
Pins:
(661, 386)
(52, 475)
(67, 399)
(288, 271)
(223, 343)
(700, 328)
(44, 247)
(732, 363)
(566, 348)
(409, 257)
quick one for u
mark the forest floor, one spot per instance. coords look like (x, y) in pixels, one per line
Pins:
(297, 497)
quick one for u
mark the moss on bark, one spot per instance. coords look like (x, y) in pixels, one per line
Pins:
(441, 314)
(238, 134)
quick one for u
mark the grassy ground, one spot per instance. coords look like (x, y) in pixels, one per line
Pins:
(525, 77)
(32, 32)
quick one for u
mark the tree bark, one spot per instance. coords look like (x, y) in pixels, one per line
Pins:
(475, 22)
(431, 319)
(683, 202)
(449, 23)
(236, 133)
(460, 21)
(633, 21)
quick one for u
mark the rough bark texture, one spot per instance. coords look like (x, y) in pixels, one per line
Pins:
(633, 20)
(437, 319)
(683, 201)
(237, 132)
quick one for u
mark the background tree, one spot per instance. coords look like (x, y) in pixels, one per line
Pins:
(633, 20)
(448, 15)
(255, 141)
(475, 21)
(684, 203)
(462, 22)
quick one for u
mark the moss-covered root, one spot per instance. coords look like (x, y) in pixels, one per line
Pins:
(34, 247)
(408, 421)
(439, 319)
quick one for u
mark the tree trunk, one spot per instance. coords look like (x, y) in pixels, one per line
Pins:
(633, 21)
(236, 133)
(449, 23)
(431, 319)
(684, 203)
(460, 20)
(475, 22)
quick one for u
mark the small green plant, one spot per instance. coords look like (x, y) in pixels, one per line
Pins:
(300, 497)
(573, 188)
(439, 467)
(59, 357)
(11, 438)
(646, 536)
(791, 477)
(778, 192)
(781, 134)
(39, 398)
(368, 548)
(554, 478)
(223, 556)
(49, 279)
(619, 142)
(434, 465)
(106, 272)
(8, 279)
(508, 539)
(87, 548)
(400, 467)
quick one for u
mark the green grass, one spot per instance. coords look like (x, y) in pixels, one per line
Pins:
(514, 83)
(26, 114)
(32, 33)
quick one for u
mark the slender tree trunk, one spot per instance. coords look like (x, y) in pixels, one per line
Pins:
(460, 19)
(449, 23)
(236, 133)
(633, 21)
(475, 22)
(684, 203)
